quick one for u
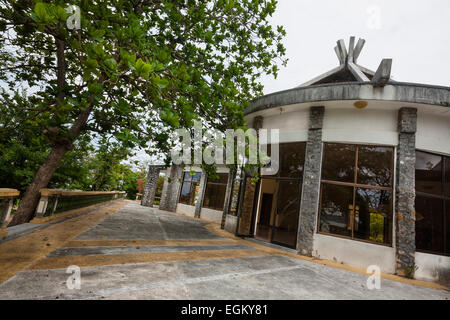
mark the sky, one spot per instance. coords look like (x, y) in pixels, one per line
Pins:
(415, 34)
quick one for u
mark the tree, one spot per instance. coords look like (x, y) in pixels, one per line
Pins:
(134, 69)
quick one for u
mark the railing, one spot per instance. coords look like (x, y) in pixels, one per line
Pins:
(7, 197)
(53, 201)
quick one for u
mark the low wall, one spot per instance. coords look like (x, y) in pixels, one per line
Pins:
(7, 198)
(432, 267)
(55, 202)
(211, 215)
(231, 223)
(354, 253)
(186, 209)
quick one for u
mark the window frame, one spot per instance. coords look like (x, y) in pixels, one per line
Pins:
(442, 197)
(356, 185)
(278, 178)
(209, 183)
(191, 181)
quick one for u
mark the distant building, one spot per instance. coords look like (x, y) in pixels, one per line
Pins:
(364, 173)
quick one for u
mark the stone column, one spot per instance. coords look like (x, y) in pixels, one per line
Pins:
(228, 195)
(171, 188)
(405, 192)
(151, 183)
(309, 206)
(201, 194)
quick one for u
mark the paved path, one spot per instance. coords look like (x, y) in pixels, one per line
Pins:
(133, 252)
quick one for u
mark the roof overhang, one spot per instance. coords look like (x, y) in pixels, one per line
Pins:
(392, 91)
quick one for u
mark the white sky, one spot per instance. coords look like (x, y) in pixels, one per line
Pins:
(414, 33)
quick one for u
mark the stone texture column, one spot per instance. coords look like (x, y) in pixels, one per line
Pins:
(405, 192)
(151, 183)
(309, 206)
(228, 195)
(201, 194)
(171, 188)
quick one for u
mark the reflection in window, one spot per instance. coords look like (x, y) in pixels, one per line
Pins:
(189, 188)
(215, 192)
(356, 194)
(280, 204)
(432, 203)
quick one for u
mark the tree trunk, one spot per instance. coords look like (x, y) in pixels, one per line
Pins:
(41, 179)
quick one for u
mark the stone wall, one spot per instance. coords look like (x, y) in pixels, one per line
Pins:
(405, 192)
(151, 184)
(171, 188)
(311, 183)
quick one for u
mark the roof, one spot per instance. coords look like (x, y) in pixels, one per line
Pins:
(348, 69)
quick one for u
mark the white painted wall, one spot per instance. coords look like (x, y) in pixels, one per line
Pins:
(211, 215)
(354, 253)
(369, 125)
(186, 209)
(293, 125)
(433, 131)
(432, 267)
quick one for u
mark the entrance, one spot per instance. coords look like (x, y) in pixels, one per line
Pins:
(278, 211)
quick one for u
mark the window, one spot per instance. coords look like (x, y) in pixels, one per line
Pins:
(356, 192)
(189, 188)
(432, 203)
(215, 192)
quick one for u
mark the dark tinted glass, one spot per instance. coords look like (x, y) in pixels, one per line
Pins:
(292, 158)
(373, 215)
(429, 224)
(286, 218)
(335, 209)
(428, 173)
(185, 192)
(214, 196)
(196, 176)
(187, 176)
(221, 178)
(375, 165)
(338, 162)
(447, 177)
(447, 219)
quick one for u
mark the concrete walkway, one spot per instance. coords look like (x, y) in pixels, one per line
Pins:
(134, 252)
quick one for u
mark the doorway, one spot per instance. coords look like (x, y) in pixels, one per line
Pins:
(279, 208)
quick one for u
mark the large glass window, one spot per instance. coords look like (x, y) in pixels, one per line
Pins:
(280, 197)
(432, 203)
(215, 192)
(189, 188)
(356, 192)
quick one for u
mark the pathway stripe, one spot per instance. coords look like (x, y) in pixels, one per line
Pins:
(131, 258)
(186, 281)
(124, 243)
(18, 253)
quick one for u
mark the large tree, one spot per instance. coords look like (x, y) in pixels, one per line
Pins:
(134, 67)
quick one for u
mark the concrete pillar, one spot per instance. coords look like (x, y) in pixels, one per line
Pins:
(228, 195)
(42, 206)
(405, 192)
(6, 211)
(200, 195)
(151, 184)
(309, 206)
(171, 188)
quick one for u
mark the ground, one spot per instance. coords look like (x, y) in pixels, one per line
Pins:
(126, 251)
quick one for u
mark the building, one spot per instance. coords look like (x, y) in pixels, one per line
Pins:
(364, 173)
